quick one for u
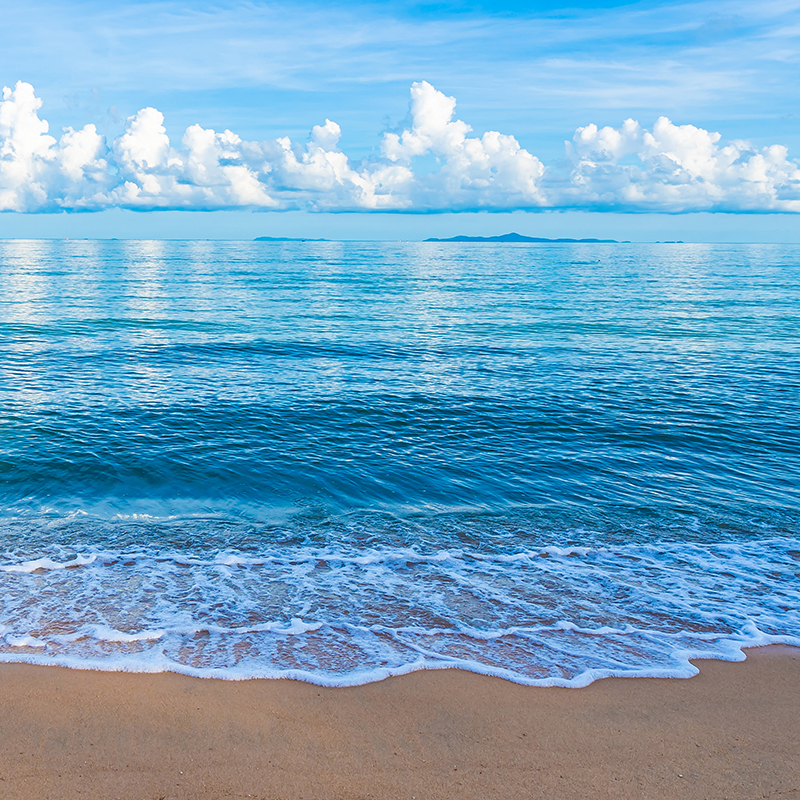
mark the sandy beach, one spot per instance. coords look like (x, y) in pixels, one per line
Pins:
(731, 732)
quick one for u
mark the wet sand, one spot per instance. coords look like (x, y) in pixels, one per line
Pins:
(732, 732)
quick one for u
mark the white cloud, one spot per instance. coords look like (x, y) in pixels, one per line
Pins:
(488, 172)
(211, 171)
(36, 171)
(139, 170)
(677, 168)
(322, 177)
(431, 164)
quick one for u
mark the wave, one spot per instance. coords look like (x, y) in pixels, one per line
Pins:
(556, 615)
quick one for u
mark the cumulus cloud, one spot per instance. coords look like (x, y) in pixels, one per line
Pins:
(431, 163)
(36, 171)
(677, 168)
(212, 170)
(327, 181)
(492, 171)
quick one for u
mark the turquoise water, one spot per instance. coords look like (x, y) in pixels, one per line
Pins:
(339, 461)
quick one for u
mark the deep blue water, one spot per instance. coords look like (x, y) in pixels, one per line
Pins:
(342, 460)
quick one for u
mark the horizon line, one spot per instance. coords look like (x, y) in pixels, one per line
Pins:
(310, 240)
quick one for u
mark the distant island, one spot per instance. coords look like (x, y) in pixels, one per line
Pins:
(285, 239)
(506, 237)
(517, 237)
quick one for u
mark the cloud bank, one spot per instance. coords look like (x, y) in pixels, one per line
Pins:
(432, 163)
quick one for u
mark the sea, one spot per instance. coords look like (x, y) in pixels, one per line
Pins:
(341, 461)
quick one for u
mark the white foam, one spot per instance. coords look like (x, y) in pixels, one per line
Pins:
(24, 641)
(45, 564)
(103, 633)
(682, 668)
(344, 616)
(565, 552)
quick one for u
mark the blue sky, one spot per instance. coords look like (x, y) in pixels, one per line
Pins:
(534, 73)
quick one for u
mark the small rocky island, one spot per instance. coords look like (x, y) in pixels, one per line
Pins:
(517, 237)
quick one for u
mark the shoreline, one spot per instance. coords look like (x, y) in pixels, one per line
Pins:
(732, 731)
(688, 669)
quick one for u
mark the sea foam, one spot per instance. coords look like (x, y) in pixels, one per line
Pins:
(557, 615)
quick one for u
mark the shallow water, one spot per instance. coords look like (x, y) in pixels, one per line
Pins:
(339, 461)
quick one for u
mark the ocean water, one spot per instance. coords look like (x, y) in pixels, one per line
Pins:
(342, 461)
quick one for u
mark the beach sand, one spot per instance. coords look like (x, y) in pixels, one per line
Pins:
(731, 732)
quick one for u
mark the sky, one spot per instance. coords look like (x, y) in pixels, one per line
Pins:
(638, 120)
